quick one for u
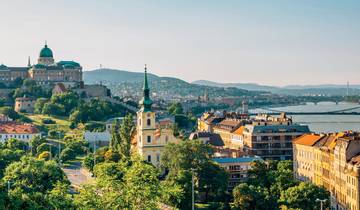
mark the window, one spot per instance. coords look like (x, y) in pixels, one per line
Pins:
(149, 158)
(148, 139)
(166, 139)
(148, 122)
(158, 158)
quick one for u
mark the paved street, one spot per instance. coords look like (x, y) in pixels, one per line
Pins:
(77, 176)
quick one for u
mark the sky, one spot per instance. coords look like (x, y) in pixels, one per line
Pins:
(270, 42)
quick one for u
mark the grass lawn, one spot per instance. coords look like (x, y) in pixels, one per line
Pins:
(61, 124)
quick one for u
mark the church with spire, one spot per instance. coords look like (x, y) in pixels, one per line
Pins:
(151, 135)
(45, 71)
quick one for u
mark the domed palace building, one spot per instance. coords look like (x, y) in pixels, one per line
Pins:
(46, 71)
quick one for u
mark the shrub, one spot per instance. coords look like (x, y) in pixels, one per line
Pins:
(45, 155)
(48, 121)
(67, 154)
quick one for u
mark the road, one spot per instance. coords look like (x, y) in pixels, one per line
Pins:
(77, 175)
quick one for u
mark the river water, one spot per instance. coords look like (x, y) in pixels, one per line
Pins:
(322, 123)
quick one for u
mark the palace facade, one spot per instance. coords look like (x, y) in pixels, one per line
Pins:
(46, 71)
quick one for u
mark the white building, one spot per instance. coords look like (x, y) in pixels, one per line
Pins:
(23, 132)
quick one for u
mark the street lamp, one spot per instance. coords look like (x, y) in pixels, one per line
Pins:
(9, 185)
(321, 202)
(59, 147)
(192, 190)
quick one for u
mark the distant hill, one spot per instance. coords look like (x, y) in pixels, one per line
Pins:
(246, 86)
(326, 89)
(114, 75)
(124, 82)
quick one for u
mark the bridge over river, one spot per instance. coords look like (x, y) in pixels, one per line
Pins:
(348, 111)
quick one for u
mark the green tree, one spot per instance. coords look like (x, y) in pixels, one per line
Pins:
(34, 143)
(213, 181)
(9, 111)
(39, 105)
(79, 146)
(46, 147)
(32, 175)
(53, 109)
(175, 109)
(124, 185)
(303, 196)
(187, 156)
(8, 156)
(127, 129)
(67, 154)
(15, 144)
(115, 140)
(68, 100)
(59, 198)
(44, 155)
(88, 162)
(251, 197)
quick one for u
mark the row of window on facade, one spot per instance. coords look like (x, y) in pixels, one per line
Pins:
(149, 158)
(20, 136)
(148, 122)
(148, 139)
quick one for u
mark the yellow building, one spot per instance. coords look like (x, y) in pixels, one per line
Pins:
(151, 137)
(331, 161)
(207, 121)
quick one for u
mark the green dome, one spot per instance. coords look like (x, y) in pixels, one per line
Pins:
(46, 52)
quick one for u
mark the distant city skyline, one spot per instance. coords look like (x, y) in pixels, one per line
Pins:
(266, 42)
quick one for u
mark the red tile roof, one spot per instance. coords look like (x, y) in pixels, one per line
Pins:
(13, 128)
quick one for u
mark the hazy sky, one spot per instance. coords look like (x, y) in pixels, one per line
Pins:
(277, 42)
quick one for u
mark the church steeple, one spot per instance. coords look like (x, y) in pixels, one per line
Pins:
(146, 102)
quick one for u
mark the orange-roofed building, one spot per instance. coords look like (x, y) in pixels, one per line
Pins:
(331, 161)
(237, 140)
(23, 132)
(303, 156)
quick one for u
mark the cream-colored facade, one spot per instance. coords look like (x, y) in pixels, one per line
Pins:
(24, 104)
(46, 71)
(151, 137)
(331, 161)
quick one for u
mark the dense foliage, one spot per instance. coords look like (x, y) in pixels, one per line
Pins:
(271, 186)
(192, 158)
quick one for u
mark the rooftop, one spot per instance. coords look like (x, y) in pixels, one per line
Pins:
(307, 139)
(13, 128)
(237, 160)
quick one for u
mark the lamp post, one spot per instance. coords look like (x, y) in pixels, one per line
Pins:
(321, 202)
(192, 190)
(8, 186)
(59, 148)
(95, 150)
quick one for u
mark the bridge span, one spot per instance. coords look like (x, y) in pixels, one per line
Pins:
(347, 111)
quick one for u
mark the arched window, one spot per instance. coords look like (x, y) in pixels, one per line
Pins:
(149, 158)
(148, 139)
(148, 122)
(158, 157)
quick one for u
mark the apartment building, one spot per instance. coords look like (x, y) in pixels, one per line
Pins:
(331, 161)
